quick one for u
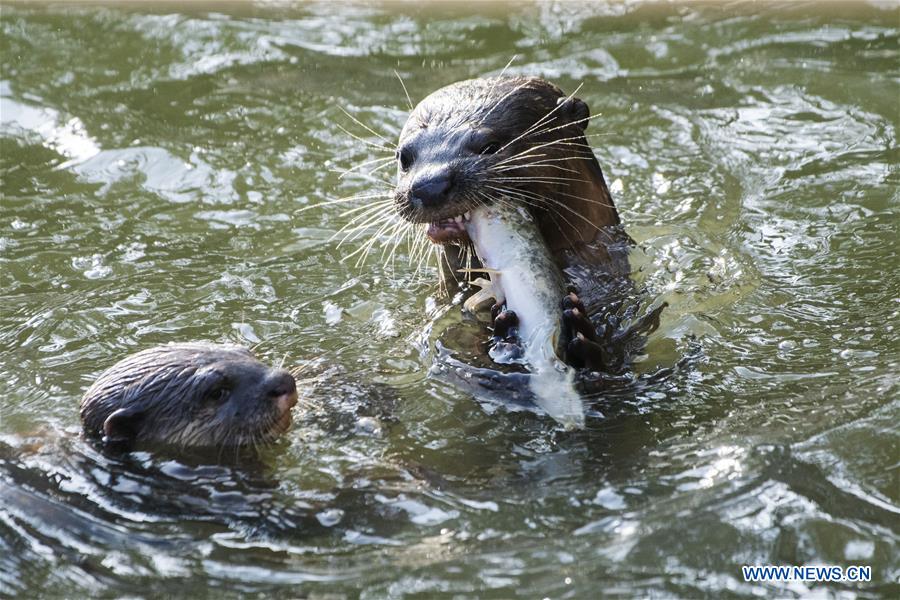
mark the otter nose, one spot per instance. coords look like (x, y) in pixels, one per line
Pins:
(432, 190)
(282, 384)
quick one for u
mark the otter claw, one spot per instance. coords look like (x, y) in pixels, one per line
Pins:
(481, 297)
(496, 309)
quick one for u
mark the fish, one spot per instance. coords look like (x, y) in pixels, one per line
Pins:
(525, 277)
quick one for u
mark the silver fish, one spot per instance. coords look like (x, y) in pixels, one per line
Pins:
(525, 277)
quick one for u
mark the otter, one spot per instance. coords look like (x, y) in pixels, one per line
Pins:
(519, 140)
(197, 395)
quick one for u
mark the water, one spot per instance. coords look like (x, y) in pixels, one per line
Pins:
(155, 165)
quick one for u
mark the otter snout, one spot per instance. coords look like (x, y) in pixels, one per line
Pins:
(282, 387)
(431, 189)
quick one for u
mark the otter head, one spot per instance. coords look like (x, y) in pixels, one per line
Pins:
(189, 395)
(513, 139)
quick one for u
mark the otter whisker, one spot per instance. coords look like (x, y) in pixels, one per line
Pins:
(546, 178)
(367, 176)
(436, 252)
(401, 237)
(502, 98)
(351, 236)
(550, 179)
(532, 154)
(403, 85)
(583, 199)
(353, 198)
(503, 200)
(533, 165)
(379, 167)
(523, 134)
(369, 215)
(529, 200)
(367, 128)
(440, 254)
(412, 245)
(379, 221)
(556, 203)
(517, 157)
(380, 204)
(364, 218)
(395, 235)
(366, 248)
(527, 197)
(303, 368)
(428, 254)
(363, 164)
(353, 233)
(364, 251)
(540, 121)
(577, 142)
(589, 200)
(419, 252)
(551, 143)
(573, 122)
(364, 140)
(540, 158)
(502, 71)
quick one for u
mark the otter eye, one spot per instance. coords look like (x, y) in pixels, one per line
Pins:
(490, 148)
(218, 390)
(216, 395)
(405, 158)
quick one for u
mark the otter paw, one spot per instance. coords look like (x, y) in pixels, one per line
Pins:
(575, 319)
(506, 323)
(583, 349)
(583, 353)
(505, 347)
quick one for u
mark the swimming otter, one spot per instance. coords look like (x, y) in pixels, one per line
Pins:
(519, 140)
(190, 395)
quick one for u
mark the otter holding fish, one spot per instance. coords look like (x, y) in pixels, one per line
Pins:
(521, 140)
(502, 165)
(197, 395)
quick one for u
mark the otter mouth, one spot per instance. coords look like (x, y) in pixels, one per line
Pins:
(452, 229)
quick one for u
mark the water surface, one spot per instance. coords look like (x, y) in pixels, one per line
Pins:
(156, 162)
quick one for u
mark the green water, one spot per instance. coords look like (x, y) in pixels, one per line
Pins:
(156, 160)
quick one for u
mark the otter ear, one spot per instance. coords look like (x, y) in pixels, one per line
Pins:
(121, 426)
(577, 111)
